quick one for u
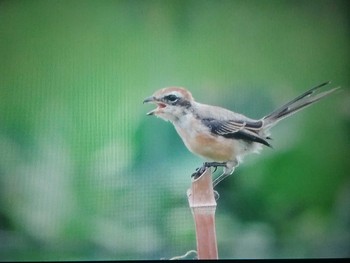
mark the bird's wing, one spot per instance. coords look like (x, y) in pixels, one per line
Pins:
(237, 129)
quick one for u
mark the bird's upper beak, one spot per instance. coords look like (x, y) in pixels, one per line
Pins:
(149, 99)
(153, 99)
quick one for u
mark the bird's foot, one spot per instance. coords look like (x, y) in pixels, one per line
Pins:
(199, 171)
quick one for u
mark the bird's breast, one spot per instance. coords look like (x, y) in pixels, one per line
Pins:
(199, 140)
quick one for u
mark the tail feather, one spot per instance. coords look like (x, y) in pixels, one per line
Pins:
(306, 99)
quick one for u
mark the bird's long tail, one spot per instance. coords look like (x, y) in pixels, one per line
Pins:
(306, 99)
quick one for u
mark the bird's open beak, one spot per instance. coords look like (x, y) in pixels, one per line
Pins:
(152, 99)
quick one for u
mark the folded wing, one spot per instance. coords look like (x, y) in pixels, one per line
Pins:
(237, 129)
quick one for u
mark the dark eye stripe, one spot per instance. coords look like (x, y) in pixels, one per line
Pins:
(171, 98)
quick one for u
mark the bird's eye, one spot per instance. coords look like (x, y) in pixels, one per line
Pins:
(171, 98)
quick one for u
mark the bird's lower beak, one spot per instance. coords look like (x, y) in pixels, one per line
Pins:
(152, 112)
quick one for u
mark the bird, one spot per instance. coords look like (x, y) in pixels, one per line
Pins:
(218, 135)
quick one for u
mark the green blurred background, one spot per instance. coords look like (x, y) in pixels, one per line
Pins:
(85, 174)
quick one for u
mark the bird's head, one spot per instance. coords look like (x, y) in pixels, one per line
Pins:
(172, 103)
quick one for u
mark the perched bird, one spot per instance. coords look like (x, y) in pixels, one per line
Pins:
(221, 136)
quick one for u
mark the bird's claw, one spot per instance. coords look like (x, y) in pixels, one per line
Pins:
(199, 171)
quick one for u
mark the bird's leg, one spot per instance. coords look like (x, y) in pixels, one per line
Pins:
(214, 164)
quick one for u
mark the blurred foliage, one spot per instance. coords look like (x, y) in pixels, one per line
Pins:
(84, 174)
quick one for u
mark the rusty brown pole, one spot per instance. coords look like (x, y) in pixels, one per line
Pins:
(203, 205)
